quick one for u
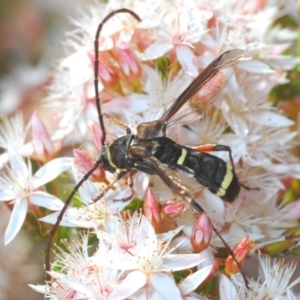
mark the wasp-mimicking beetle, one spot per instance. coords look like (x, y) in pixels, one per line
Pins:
(152, 152)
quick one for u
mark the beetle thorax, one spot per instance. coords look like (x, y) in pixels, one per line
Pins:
(114, 155)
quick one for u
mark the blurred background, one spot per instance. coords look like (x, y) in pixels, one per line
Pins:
(31, 40)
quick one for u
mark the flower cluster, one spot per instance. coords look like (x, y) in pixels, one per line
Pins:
(143, 67)
(131, 261)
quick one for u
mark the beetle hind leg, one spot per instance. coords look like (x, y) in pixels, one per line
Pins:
(249, 188)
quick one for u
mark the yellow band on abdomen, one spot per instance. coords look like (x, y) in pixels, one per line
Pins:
(226, 181)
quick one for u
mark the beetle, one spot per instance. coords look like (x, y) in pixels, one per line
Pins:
(152, 152)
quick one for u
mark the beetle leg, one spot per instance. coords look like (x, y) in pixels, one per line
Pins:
(113, 120)
(216, 147)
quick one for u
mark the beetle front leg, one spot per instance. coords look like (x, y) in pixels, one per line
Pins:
(130, 184)
(116, 121)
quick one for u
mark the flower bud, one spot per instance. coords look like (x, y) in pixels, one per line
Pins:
(97, 135)
(84, 160)
(131, 70)
(240, 251)
(108, 74)
(152, 209)
(201, 234)
(172, 208)
(44, 148)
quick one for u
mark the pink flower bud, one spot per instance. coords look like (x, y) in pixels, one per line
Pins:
(201, 234)
(254, 6)
(240, 251)
(97, 135)
(131, 70)
(84, 159)
(172, 208)
(152, 210)
(44, 148)
(108, 74)
(128, 63)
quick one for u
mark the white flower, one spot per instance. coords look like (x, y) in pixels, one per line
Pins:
(13, 134)
(82, 277)
(22, 189)
(275, 276)
(150, 262)
(226, 289)
(192, 281)
(91, 214)
(179, 32)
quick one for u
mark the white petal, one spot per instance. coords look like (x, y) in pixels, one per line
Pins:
(87, 190)
(290, 295)
(156, 50)
(17, 164)
(194, 280)
(166, 236)
(73, 285)
(140, 184)
(3, 159)
(226, 289)
(146, 293)
(186, 58)
(234, 88)
(135, 103)
(114, 206)
(165, 285)
(6, 195)
(255, 66)
(146, 234)
(213, 205)
(52, 218)
(268, 118)
(120, 261)
(236, 121)
(46, 200)
(26, 150)
(51, 170)
(181, 261)
(16, 220)
(133, 281)
(284, 62)
(236, 231)
(40, 288)
(80, 217)
(280, 168)
(295, 172)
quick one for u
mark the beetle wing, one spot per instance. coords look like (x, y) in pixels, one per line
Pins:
(204, 90)
(172, 181)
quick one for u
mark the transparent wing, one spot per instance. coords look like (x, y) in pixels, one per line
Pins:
(204, 90)
(172, 181)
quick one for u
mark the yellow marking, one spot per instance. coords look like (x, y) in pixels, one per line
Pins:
(110, 159)
(191, 174)
(182, 157)
(226, 182)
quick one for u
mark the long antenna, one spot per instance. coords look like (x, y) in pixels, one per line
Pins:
(100, 116)
(60, 216)
(96, 65)
(199, 209)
